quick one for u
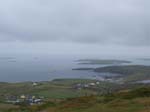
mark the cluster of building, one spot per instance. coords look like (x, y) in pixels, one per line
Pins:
(85, 85)
(25, 99)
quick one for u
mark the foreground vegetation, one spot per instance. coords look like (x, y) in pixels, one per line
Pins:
(137, 100)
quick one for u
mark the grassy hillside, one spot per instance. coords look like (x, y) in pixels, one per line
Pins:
(59, 88)
(137, 100)
(61, 97)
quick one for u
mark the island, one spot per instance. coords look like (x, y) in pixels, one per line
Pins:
(83, 69)
(101, 61)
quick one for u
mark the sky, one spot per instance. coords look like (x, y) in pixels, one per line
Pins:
(75, 26)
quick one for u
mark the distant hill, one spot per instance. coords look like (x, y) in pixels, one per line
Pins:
(128, 72)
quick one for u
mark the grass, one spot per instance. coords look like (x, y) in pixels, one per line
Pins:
(117, 103)
(64, 93)
(71, 81)
(6, 107)
(60, 97)
(59, 88)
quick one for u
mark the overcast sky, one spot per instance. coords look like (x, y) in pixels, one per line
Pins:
(85, 22)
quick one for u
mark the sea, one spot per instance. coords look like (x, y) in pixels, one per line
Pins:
(47, 67)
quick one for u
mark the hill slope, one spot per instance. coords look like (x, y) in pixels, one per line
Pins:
(129, 72)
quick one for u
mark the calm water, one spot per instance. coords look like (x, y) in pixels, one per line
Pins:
(45, 67)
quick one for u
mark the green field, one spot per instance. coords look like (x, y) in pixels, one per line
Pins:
(59, 88)
(136, 100)
(51, 90)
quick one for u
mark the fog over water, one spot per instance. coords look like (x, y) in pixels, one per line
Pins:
(40, 40)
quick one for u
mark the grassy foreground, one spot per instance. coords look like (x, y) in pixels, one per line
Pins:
(60, 96)
(137, 100)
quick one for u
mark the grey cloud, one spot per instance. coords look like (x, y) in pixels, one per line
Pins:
(85, 21)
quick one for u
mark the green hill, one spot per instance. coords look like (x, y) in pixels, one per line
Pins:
(129, 73)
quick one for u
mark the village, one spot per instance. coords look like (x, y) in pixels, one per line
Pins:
(32, 99)
(80, 86)
(25, 99)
